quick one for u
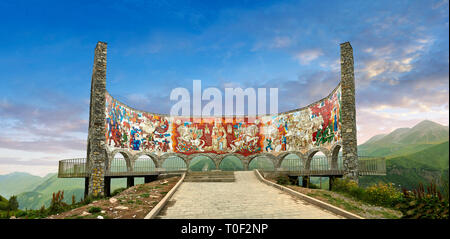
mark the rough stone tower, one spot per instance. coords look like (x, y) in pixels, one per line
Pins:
(96, 153)
(349, 144)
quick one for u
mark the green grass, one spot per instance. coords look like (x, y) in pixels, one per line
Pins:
(409, 170)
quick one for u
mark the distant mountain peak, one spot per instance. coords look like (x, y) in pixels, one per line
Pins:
(375, 138)
(428, 124)
(406, 140)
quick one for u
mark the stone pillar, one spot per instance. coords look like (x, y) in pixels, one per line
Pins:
(96, 152)
(348, 113)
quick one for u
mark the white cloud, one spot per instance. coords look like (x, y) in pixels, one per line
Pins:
(305, 57)
(280, 42)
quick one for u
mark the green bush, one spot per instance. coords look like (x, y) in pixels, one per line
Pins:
(13, 204)
(117, 191)
(381, 194)
(421, 204)
(94, 210)
(313, 186)
(283, 180)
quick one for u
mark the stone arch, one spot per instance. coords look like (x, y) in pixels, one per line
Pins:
(282, 156)
(335, 155)
(242, 158)
(312, 152)
(270, 156)
(153, 156)
(223, 156)
(165, 156)
(214, 157)
(126, 155)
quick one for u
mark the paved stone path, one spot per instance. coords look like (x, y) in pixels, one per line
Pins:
(245, 198)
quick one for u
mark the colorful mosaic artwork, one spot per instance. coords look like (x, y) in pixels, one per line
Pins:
(316, 125)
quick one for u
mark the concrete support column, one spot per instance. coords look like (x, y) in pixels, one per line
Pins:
(107, 189)
(293, 180)
(305, 181)
(86, 187)
(130, 182)
(348, 113)
(96, 152)
(330, 182)
(150, 178)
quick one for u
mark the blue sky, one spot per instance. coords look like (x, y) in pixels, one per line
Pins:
(46, 55)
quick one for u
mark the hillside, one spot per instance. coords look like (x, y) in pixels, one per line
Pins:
(42, 193)
(17, 182)
(408, 170)
(3, 203)
(405, 141)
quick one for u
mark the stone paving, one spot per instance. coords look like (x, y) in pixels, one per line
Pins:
(245, 198)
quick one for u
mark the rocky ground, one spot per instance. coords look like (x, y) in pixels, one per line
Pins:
(347, 203)
(133, 203)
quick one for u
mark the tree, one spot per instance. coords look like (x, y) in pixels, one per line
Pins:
(13, 204)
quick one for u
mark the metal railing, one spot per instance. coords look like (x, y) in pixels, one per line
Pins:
(319, 166)
(322, 166)
(72, 168)
(371, 166)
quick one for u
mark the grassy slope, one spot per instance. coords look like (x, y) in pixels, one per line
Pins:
(42, 194)
(17, 182)
(408, 170)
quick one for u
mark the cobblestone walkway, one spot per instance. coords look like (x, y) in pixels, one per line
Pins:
(245, 198)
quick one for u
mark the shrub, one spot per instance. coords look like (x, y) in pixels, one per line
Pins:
(383, 195)
(21, 213)
(13, 204)
(283, 180)
(117, 191)
(57, 205)
(421, 204)
(94, 210)
(380, 194)
(313, 186)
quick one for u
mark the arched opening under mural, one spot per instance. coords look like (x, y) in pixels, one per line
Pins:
(292, 162)
(318, 161)
(144, 163)
(262, 163)
(231, 163)
(174, 163)
(202, 163)
(336, 158)
(120, 162)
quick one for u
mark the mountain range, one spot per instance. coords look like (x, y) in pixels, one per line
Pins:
(413, 155)
(405, 140)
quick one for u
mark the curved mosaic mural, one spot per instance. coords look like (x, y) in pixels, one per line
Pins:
(318, 124)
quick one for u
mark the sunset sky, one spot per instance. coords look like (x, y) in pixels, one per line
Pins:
(47, 48)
